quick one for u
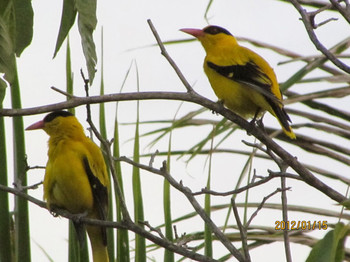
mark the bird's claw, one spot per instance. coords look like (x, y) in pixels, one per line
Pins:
(77, 217)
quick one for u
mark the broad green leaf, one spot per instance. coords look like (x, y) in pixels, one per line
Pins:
(3, 86)
(69, 13)
(23, 13)
(87, 22)
(331, 247)
(7, 60)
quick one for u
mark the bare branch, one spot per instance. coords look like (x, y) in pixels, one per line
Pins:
(310, 30)
(263, 180)
(242, 230)
(170, 60)
(106, 144)
(126, 224)
(345, 12)
(198, 99)
(188, 193)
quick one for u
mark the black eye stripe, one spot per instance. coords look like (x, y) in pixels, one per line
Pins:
(55, 114)
(214, 30)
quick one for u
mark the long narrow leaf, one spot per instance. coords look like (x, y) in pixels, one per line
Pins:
(208, 238)
(21, 205)
(75, 252)
(123, 253)
(69, 13)
(5, 243)
(87, 23)
(168, 255)
(140, 243)
(103, 131)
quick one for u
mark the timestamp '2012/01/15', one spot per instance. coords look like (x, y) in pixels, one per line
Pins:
(300, 224)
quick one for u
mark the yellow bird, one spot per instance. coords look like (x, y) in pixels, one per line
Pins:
(76, 177)
(240, 78)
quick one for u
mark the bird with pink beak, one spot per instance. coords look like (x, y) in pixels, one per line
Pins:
(240, 78)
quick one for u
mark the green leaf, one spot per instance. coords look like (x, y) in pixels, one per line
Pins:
(140, 242)
(69, 13)
(331, 247)
(22, 229)
(5, 215)
(23, 13)
(3, 86)
(122, 251)
(208, 237)
(7, 61)
(87, 22)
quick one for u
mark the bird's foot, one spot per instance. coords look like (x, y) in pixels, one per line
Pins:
(255, 123)
(77, 217)
(260, 124)
(251, 126)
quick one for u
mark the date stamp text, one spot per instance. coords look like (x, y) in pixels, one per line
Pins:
(301, 225)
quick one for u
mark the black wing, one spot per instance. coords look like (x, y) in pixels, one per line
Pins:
(249, 74)
(100, 195)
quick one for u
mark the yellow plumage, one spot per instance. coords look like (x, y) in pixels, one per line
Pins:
(242, 79)
(76, 177)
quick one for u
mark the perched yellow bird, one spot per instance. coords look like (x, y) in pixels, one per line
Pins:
(76, 177)
(240, 78)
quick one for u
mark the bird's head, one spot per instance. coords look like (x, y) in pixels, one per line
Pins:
(211, 36)
(57, 123)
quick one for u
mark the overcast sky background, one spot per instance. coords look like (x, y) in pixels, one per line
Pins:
(126, 33)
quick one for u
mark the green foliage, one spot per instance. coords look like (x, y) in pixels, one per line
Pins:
(331, 247)
(7, 61)
(69, 13)
(6, 250)
(23, 15)
(87, 22)
(140, 242)
(16, 32)
(22, 229)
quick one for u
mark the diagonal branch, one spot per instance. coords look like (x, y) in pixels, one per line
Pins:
(310, 30)
(164, 52)
(304, 173)
(344, 11)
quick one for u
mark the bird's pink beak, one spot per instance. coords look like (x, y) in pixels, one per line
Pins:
(192, 31)
(38, 125)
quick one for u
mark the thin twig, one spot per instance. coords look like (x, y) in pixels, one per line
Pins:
(310, 30)
(260, 206)
(62, 92)
(106, 145)
(170, 60)
(188, 193)
(250, 185)
(157, 230)
(285, 216)
(344, 11)
(242, 230)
